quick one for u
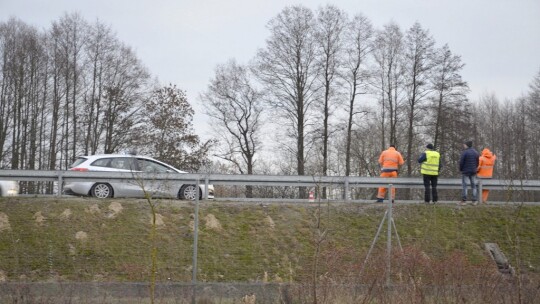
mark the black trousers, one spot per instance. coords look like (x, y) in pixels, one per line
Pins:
(430, 187)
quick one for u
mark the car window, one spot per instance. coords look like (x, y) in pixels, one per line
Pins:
(149, 166)
(102, 162)
(79, 161)
(124, 163)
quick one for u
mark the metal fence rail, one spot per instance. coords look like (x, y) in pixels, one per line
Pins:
(347, 182)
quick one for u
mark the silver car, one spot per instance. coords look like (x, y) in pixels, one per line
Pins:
(133, 188)
(9, 188)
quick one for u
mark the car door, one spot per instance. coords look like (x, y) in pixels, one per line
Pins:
(157, 188)
(131, 187)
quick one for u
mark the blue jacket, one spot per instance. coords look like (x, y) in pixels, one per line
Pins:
(468, 162)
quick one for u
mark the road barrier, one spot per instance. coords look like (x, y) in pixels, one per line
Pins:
(347, 182)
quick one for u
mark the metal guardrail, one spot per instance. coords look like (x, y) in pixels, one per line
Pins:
(261, 180)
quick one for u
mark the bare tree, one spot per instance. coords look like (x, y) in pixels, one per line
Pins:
(287, 67)
(10, 49)
(358, 46)
(388, 53)
(99, 54)
(516, 138)
(124, 95)
(234, 102)
(75, 88)
(418, 56)
(329, 29)
(55, 70)
(533, 121)
(21, 71)
(450, 108)
(489, 112)
(6, 107)
(69, 33)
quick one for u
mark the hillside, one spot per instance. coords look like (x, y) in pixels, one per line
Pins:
(81, 239)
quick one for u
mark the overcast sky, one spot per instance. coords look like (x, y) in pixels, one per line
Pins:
(181, 41)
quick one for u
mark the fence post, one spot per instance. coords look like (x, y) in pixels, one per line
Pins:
(195, 244)
(389, 235)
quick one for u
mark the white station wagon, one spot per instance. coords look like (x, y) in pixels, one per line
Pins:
(133, 188)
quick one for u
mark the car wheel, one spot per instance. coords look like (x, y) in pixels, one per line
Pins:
(101, 191)
(189, 192)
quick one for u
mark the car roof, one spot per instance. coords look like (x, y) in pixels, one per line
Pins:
(112, 155)
(98, 156)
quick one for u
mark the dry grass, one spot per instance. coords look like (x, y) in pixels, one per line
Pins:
(270, 249)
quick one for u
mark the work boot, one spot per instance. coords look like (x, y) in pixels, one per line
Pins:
(379, 200)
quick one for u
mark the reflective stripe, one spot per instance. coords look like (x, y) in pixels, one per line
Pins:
(433, 169)
(394, 166)
(486, 166)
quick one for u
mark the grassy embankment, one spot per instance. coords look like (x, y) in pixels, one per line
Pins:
(76, 239)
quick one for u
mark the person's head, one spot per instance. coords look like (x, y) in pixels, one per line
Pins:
(430, 146)
(393, 146)
(467, 144)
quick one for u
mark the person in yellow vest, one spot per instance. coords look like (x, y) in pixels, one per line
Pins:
(486, 162)
(390, 160)
(430, 167)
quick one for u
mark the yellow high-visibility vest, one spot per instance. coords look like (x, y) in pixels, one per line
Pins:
(431, 165)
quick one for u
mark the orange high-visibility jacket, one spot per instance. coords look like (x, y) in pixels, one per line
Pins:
(390, 160)
(486, 163)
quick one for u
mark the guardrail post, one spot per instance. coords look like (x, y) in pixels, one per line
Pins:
(479, 194)
(347, 196)
(206, 187)
(60, 183)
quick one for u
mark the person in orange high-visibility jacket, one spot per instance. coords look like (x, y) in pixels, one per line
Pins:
(486, 162)
(390, 161)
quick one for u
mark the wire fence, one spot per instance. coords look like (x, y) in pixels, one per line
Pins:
(262, 245)
(278, 251)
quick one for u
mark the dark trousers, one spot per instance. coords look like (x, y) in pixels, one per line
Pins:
(430, 187)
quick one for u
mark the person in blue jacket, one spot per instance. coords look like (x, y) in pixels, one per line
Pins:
(468, 164)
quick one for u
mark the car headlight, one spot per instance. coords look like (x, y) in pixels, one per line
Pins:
(12, 192)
